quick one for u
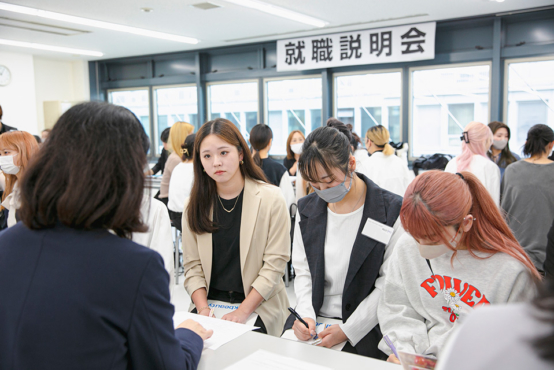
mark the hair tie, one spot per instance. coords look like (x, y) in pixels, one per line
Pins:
(465, 137)
(461, 176)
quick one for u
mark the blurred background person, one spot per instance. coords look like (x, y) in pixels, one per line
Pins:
(500, 152)
(294, 149)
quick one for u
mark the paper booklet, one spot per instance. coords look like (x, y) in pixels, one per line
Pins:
(321, 324)
(411, 361)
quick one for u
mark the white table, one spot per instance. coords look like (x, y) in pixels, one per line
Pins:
(250, 342)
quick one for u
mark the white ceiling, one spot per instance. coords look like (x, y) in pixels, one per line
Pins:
(229, 25)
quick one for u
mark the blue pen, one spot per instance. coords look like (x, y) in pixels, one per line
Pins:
(391, 346)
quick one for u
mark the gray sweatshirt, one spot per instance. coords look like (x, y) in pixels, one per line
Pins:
(528, 199)
(419, 313)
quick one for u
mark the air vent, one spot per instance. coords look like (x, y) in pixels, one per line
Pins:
(40, 27)
(205, 6)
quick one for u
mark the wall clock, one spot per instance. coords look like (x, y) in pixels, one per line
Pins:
(5, 76)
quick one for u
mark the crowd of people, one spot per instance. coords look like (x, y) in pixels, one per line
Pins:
(417, 259)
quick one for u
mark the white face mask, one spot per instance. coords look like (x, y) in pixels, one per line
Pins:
(433, 251)
(296, 148)
(499, 144)
(7, 166)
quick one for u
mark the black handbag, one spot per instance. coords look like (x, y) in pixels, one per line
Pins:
(436, 161)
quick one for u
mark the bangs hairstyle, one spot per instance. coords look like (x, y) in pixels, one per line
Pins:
(290, 154)
(177, 135)
(204, 189)
(26, 146)
(436, 199)
(89, 173)
(326, 146)
(506, 156)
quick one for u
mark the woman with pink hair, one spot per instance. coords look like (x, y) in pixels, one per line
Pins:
(476, 139)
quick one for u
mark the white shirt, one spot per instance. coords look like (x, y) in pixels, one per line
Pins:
(180, 186)
(159, 236)
(389, 172)
(339, 240)
(361, 156)
(288, 191)
(486, 171)
(12, 204)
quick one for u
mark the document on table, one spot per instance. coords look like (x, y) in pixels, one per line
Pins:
(271, 361)
(223, 308)
(224, 331)
(321, 324)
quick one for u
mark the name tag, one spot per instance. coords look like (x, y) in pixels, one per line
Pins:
(377, 231)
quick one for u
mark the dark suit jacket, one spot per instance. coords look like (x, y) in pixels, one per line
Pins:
(73, 299)
(549, 261)
(365, 261)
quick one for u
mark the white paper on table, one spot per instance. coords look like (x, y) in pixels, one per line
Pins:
(224, 331)
(321, 324)
(223, 308)
(271, 361)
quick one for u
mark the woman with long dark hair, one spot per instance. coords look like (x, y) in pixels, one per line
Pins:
(500, 152)
(76, 292)
(236, 231)
(337, 255)
(459, 255)
(527, 195)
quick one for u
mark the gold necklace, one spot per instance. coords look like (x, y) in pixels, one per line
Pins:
(225, 209)
(334, 204)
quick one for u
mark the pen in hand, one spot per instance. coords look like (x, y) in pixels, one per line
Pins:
(293, 311)
(391, 346)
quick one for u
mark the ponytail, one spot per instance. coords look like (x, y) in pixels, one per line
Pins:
(257, 159)
(260, 136)
(437, 199)
(380, 136)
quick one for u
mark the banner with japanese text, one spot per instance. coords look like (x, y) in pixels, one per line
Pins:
(380, 45)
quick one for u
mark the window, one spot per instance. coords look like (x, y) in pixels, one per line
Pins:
(369, 100)
(530, 98)
(237, 102)
(292, 104)
(137, 101)
(174, 104)
(444, 101)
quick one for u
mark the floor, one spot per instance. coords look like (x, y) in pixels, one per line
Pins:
(181, 300)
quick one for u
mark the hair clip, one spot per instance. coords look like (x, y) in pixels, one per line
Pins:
(461, 176)
(465, 137)
(185, 151)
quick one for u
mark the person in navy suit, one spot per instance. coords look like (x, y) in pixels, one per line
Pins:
(75, 292)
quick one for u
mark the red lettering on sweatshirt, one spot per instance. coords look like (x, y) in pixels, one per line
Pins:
(483, 301)
(447, 282)
(429, 287)
(467, 298)
(440, 280)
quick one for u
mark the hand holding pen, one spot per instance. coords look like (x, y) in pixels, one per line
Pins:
(304, 328)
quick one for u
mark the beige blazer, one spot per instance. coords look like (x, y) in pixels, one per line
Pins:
(264, 252)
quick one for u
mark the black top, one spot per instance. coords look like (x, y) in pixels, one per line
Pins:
(273, 170)
(226, 272)
(160, 166)
(75, 299)
(288, 163)
(549, 262)
(5, 128)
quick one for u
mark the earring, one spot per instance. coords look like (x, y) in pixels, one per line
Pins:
(241, 162)
(204, 170)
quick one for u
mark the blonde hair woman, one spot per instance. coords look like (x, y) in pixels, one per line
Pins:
(177, 135)
(383, 167)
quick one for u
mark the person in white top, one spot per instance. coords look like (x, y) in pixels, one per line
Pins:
(383, 167)
(459, 255)
(180, 183)
(16, 150)
(338, 256)
(477, 138)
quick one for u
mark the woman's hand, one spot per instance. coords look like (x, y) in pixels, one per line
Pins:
(237, 315)
(294, 168)
(332, 336)
(205, 312)
(301, 331)
(392, 358)
(197, 328)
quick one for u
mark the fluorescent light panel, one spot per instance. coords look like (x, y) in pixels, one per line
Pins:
(50, 48)
(280, 12)
(92, 23)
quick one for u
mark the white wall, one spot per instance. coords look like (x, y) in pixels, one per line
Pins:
(18, 98)
(36, 80)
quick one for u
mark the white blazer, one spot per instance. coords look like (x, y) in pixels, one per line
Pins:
(389, 172)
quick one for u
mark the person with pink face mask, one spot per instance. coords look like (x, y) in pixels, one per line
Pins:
(499, 151)
(459, 254)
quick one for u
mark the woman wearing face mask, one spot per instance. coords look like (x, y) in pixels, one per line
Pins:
(338, 252)
(476, 140)
(460, 254)
(16, 150)
(261, 138)
(294, 149)
(500, 152)
(236, 231)
(383, 167)
(527, 195)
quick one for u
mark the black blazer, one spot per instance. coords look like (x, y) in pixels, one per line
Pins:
(73, 299)
(365, 261)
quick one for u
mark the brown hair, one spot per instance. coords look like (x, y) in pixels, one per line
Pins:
(89, 173)
(506, 156)
(26, 146)
(204, 189)
(290, 154)
(260, 136)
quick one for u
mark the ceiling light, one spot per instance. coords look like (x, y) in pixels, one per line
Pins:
(147, 10)
(50, 48)
(280, 12)
(93, 23)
